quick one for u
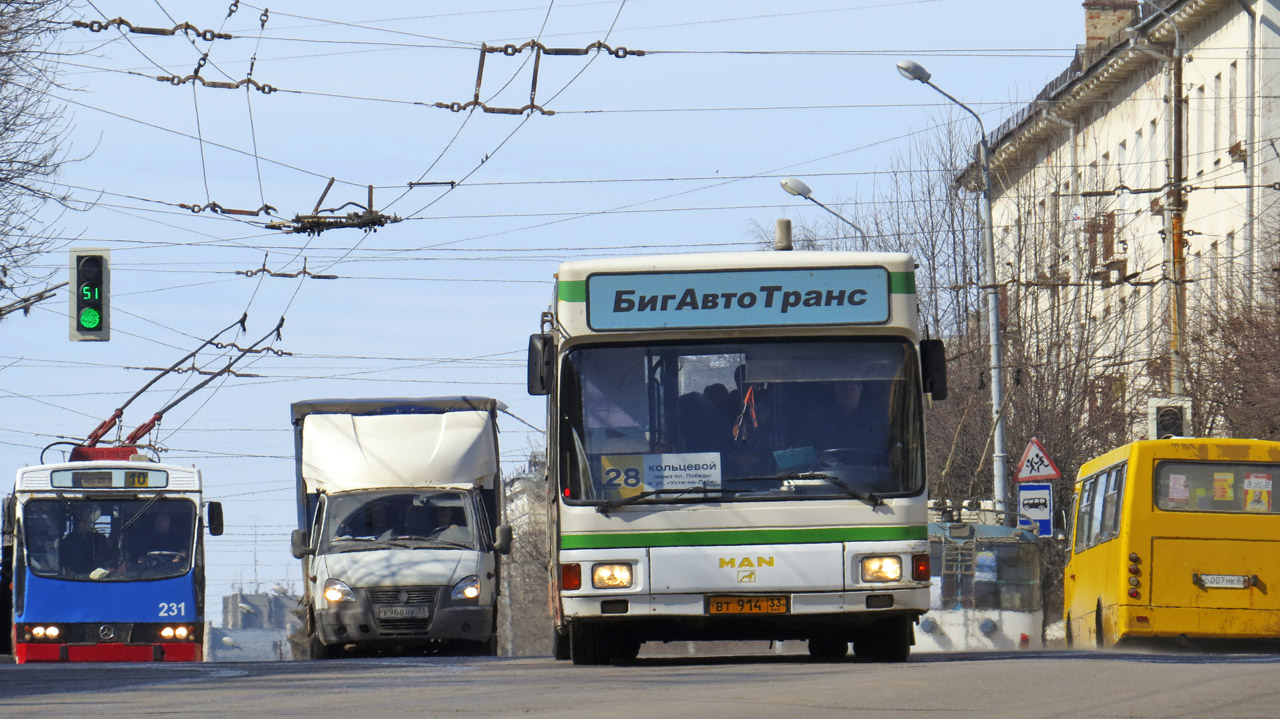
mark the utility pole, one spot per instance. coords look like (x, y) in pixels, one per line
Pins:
(1176, 213)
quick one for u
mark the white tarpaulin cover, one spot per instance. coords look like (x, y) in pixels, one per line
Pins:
(449, 449)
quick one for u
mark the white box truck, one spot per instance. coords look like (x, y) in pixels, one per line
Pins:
(399, 523)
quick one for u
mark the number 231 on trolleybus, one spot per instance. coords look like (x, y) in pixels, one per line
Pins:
(1176, 539)
(105, 558)
(735, 448)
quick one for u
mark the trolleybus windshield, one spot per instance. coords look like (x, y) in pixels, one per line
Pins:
(741, 421)
(109, 540)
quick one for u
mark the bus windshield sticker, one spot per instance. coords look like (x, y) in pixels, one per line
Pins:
(1178, 489)
(1257, 492)
(682, 471)
(738, 298)
(625, 475)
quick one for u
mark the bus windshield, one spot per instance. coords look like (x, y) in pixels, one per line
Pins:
(110, 540)
(743, 421)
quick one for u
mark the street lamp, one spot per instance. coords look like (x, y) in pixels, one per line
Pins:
(913, 71)
(799, 189)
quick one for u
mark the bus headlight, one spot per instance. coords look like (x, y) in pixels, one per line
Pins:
(881, 569)
(611, 576)
(466, 588)
(336, 591)
(167, 633)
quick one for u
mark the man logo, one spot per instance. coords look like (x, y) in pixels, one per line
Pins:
(735, 563)
(746, 576)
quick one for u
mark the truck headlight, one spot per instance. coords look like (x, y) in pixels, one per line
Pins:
(611, 576)
(336, 591)
(466, 588)
(881, 569)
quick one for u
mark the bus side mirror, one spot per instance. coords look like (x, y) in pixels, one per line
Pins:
(299, 545)
(215, 518)
(502, 538)
(1060, 525)
(10, 515)
(542, 353)
(933, 365)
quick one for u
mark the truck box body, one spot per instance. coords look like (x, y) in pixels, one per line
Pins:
(398, 501)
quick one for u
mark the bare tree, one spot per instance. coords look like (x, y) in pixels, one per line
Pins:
(31, 131)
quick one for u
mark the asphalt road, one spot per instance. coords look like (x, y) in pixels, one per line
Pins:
(1078, 685)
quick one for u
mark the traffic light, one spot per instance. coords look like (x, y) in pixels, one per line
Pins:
(90, 285)
(1168, 417)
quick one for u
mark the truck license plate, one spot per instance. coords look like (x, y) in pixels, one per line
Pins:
(402, 612)
(747, 605)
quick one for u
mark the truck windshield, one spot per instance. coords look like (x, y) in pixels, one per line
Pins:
(745, 421)
(109, 540)
(357, 521)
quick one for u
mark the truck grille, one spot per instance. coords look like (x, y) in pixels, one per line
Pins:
(412, 595)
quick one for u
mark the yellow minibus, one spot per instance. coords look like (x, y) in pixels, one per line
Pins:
(1175, 538)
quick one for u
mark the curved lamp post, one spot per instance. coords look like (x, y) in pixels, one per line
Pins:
(799, 189)
(999, 461)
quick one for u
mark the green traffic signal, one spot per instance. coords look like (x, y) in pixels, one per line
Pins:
(90, 318)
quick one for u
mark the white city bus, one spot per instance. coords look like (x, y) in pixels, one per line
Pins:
(736, 451)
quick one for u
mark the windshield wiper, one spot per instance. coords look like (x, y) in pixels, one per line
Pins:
(870, 498)
(611, 504)
(855, 492)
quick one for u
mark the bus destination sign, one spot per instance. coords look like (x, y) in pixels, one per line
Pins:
(738, 298)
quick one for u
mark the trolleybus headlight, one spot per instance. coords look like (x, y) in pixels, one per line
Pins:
(52, 632)
(37, 632)
(466, 588)
(336, 591)
(181, 632)
(881, 569)
(167, 632)
(611, 576)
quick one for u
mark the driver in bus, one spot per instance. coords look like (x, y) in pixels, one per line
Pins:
(160, 543)
(842, 419)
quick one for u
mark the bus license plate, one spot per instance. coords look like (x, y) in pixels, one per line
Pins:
(747, 605)
(1224, 581)
(402, 612)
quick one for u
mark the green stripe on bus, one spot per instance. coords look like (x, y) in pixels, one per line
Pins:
(728, 537)
(572, 290)
(902, 283)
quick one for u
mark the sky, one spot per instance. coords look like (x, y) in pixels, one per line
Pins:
(678, 149)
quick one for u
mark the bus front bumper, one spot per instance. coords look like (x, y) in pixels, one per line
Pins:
(24, 652)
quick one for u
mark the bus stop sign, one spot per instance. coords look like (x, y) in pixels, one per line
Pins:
(1035, 507)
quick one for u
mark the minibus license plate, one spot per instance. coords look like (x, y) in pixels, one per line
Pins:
(1224, 581)
(402, 612)
(747, 605)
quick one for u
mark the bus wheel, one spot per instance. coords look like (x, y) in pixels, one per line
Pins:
(1099, 638)
(559, 645)
(828, 649)
(587, 645)
(888, 640)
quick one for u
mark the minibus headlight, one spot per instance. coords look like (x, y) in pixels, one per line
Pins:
(611, 576)
(336, 591)
(881, 569)
(466, 588)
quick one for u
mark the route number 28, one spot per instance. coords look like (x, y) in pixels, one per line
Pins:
(173, 609)
(628, 477)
